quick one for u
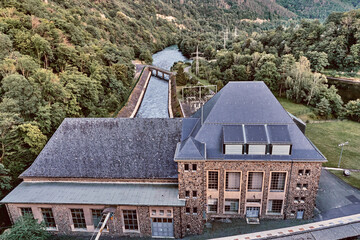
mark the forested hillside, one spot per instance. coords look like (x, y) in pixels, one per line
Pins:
(289, 60)
(318, 9)
(72, 58)
(67, 59)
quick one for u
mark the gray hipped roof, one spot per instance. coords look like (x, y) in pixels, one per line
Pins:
(110, 148)
(244, 113)
(95, 193)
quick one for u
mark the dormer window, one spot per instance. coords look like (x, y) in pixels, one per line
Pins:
(281, 149)
(234, 149)
(258, 149)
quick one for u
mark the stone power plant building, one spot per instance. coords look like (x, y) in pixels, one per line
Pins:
(240, 156)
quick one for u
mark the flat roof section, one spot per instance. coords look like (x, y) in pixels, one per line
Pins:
(95, 194)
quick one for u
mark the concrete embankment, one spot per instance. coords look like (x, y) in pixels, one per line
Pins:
(134, 101)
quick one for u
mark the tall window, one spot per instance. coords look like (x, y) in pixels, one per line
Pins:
(277, 181)
(232, 181)
(48, 217)
(130, 220)
(231, 205)
(213, 180)
(212, 205)
(255, 180)
(78, 218)
(275, 206)
(98, 218)
(27, 211)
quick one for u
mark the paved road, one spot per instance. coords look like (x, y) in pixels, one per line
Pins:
(335, 198)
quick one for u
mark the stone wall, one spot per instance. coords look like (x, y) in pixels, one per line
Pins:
(115, 225)
(197, 180)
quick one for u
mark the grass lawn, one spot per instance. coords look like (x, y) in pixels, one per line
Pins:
(353, 179)
(299, 110)
(326, 136)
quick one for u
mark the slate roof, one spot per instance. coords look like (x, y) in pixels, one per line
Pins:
(110, 148)
(233, 134)
(95, 193)
(252, 106)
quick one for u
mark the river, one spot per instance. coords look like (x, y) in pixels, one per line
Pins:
(155, 101)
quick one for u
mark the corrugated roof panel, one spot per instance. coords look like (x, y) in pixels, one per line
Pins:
(233, 134)
(279, 134)
(95, 193)
(255, 134)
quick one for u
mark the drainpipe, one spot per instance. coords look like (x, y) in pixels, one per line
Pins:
(288, 189)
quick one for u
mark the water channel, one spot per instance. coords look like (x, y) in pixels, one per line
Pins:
(155, 101)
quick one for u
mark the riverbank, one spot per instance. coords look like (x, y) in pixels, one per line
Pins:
(136, 96)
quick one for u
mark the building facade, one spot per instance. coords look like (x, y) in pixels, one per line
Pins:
(240, 156)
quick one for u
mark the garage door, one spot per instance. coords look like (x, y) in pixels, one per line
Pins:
(162, 227)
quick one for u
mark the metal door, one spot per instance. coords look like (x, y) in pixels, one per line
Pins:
(252, 212)
(300, 214)
(162, 227)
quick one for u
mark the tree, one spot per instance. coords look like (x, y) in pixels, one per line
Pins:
(4, 181)
(323, 108)
(145, 55)
(5, 45)
(24, 92)
(25, 228)
(240, 73)
(42, 48)
(286, 66)
(26, 65)
(269, 74)
(318, 60)
(352, 110)
(181, 78)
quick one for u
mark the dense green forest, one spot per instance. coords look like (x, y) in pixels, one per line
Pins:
(73, 58)
(289, 60)
(318, 9)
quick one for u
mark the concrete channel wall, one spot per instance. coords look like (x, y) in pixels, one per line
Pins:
(137, 106)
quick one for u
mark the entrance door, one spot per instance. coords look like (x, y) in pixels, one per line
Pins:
(252, 212)
(162, 227)
(300, 214)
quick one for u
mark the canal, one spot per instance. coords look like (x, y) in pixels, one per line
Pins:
(347, 90)
(155, 101)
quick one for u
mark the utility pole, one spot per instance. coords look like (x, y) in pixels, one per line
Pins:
(235, 33)
(342, 148)
(224, 40)
(197, 60)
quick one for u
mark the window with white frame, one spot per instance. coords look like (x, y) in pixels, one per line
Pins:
(255, 180)
(78, 218)
(233, 181)
(277, 181)
(212, 205)
(48, 217)
(98, 218)
(231, 205)
(275, 206)
(213, 180)
(130, 220)
(257, 149)
(234, 149)
(27, 211)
